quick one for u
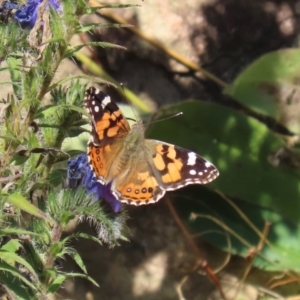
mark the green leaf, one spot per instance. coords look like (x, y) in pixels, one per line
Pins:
(10, 138)
(56, 249)
(91, 26)
(75, 49)
(56, 177)
(240, 147)
(12, 258)
(86, 77)
(217, 219)
(50, 272)
(271, 86)
(15, 74)
(56, 109)
(15, 286)
(33, 255)
(11, 230)
(73, 153)
(20, 202)
(77, 258)
(84, 236)
(75, 131)
(59, 280)
(74, 254)
(76, 145)
(112, 5)
(55, 285)
(10, 270)
(11, 246)
(74, 275)
(18, 159)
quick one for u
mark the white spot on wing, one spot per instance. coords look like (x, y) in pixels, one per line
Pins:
(105, 101)
(192, 172)
(191, 159)
(208, 164)
(96, 108)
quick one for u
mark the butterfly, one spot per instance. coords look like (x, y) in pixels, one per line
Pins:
(137, 170)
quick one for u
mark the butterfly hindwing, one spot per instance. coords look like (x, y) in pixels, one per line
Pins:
(100, 162)
(141, 187)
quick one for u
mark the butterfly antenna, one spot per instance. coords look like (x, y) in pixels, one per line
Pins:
(164, 119)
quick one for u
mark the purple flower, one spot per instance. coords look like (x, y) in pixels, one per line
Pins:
(9, 5)
(7, 9)
(27, 14)
(80, 174)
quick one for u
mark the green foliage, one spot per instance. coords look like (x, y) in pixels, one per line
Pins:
(236, 226)
(271, 86)
(259, 173)
(36, 208)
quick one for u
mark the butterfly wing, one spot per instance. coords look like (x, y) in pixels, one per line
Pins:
(138, 184)
(160, 167)
(109, 127)
(108, 122)
(101, 160)
(178, 167)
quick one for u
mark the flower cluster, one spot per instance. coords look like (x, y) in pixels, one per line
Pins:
(81, 175)
(7, 9)
(26, 15)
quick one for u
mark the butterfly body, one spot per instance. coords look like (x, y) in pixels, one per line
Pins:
(138, 170)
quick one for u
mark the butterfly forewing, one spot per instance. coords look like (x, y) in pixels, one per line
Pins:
(108, 121)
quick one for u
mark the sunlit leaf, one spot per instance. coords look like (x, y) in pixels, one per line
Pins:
(20, 202)
(270, 85)
(75, 49)
(11, 246)
(57, 282)
(217, 220)
(240, 147)
(12, 258)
